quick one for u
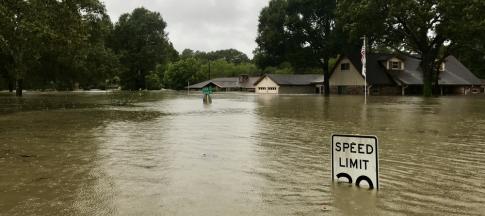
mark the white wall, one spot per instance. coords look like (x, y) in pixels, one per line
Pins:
(263, 87)
(351, 77)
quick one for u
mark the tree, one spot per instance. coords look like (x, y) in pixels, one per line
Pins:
(311, 32)
(47, 41)
(181, 72)
(430, 28)
(230, 55)
(20, 30)
(271, 39)
(142, 43)
(300, 32)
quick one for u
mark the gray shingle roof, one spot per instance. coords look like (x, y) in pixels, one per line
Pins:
(455, 72)
(227, 82)
(294, 79)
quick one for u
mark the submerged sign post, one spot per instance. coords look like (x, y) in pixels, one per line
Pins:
(355, 159)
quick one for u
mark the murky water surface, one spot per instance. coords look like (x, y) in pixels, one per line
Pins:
(168, 154)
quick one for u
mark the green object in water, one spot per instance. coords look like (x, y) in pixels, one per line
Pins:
(207, 90)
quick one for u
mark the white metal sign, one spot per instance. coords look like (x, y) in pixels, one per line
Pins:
(355, 158)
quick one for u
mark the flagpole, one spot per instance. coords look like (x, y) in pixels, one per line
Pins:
(364, 67)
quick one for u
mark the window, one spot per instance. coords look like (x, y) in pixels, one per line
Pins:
(345, 66)
(442, 67)
(262, 88)
(396, 65)
(272, 88)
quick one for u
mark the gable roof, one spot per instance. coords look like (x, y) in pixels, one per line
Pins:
(376, 73)
(226, 82)
(293, 79)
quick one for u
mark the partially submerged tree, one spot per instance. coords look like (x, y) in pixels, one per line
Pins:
(311, 32)
(271, 39)
(142, 43)
(49, 41)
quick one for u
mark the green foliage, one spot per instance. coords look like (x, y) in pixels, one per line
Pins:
(223, 68)
(55, 44)
(181, 72)
(141, 42)
(153, 81)
(301, 32)
(271, 39)
(230, 55)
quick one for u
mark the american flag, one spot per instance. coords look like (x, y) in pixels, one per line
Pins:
(364, 60)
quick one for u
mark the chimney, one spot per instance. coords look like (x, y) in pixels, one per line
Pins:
(243, 78)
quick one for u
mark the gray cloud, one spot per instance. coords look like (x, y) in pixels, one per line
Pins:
(205, 25)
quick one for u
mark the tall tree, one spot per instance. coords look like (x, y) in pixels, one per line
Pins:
(271, 39)
(311, 30)
(181, 72)
(142, 43)
(21, 29)
(430, 28)
(46, 39)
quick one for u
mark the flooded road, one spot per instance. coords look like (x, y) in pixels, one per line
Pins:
(168, 154)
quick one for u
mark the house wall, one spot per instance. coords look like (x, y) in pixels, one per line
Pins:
(267, 86)
(385, 90)
(347, 90)
(461, 90)
(350, 77)
(310, 89)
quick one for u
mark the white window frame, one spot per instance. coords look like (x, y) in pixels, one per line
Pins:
(399, 65)
(347, 66)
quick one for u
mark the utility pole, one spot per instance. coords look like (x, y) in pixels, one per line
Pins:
(209, 69)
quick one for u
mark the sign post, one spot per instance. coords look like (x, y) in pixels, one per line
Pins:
(207, 92)
(355, 158)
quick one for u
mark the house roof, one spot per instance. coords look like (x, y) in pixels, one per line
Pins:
(293, 79)
(376, 73)
(455, 72)
(226, 82)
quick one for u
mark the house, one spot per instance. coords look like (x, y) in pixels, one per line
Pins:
(289, 84)
(390, 74)
(241, 83)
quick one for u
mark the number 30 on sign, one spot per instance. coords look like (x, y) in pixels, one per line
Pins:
(355, 160)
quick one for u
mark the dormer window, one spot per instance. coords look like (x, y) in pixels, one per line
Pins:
(345, 67)
(442, 67)
(396, 65)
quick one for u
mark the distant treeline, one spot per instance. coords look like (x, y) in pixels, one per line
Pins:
(304, 34)
(66, 45)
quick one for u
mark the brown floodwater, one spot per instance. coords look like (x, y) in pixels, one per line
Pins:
(163, 153)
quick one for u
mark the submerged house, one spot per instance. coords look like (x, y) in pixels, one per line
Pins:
(241, 83)
(289, 84)
(389, 74)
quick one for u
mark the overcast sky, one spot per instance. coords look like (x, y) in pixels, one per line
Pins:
(205, 25)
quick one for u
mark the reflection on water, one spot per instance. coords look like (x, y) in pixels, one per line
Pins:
(168, 154)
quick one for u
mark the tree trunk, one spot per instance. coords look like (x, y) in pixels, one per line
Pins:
(18, 90)
(326, 76)
(436, 84)
(10, 85)
(427, 77)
